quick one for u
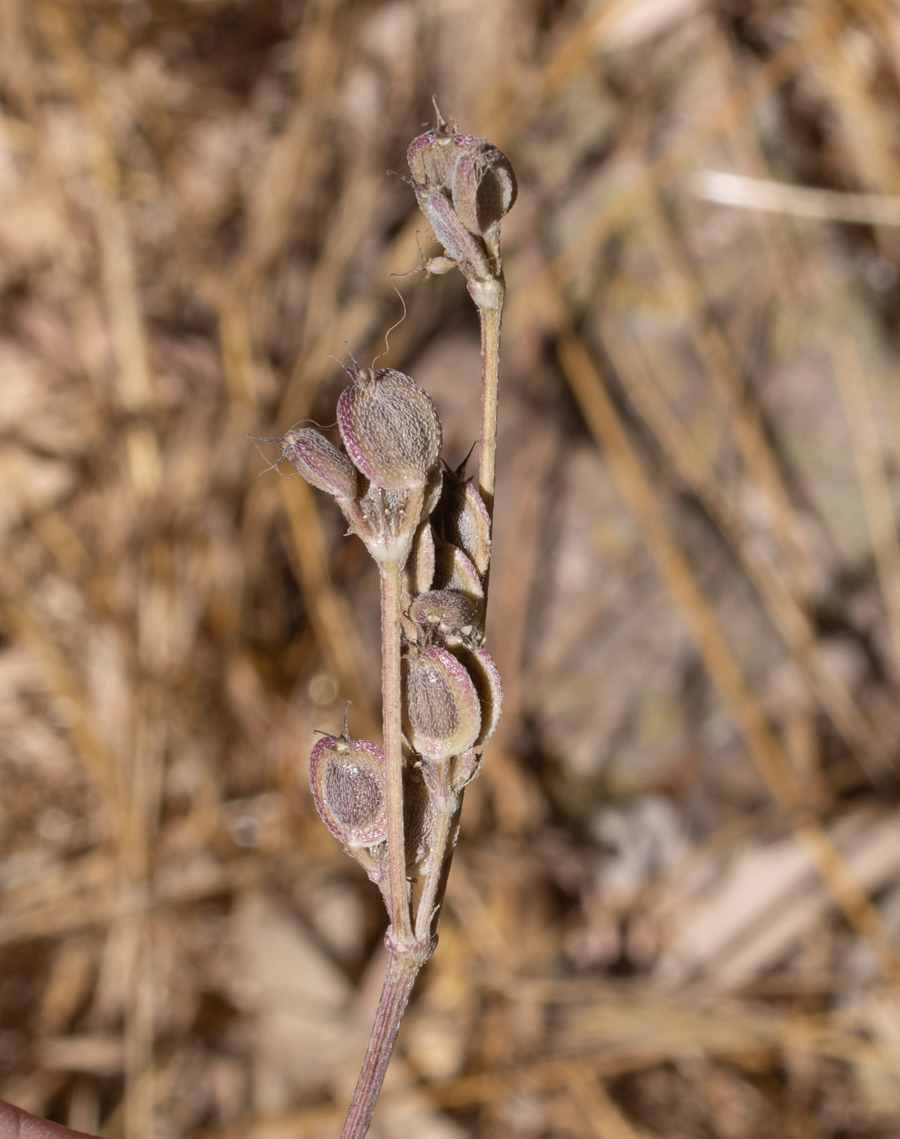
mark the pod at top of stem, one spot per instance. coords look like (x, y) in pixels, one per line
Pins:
(390, 428)
(472, 173)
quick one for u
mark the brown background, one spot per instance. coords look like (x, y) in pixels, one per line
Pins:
(672, 905)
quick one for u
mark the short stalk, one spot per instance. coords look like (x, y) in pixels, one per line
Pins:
(398, 982)
(401, 924)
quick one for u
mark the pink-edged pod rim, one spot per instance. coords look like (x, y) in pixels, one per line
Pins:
(390, 428)
(486, 678)
(348, 788)
(441, 708)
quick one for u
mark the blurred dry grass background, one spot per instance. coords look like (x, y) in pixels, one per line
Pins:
(675, 908)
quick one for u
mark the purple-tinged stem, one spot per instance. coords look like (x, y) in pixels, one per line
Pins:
(488, 297)
(398, 982)
(401, 923)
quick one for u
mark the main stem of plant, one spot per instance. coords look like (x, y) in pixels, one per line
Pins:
(488, 297)
(398, 982)
(409, 949)
(391, 703)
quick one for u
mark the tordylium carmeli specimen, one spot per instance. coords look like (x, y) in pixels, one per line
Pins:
(428, 528)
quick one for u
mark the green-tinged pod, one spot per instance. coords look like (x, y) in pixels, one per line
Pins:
(442, 712)
(348, 787)
(320, 462)
(390, 428)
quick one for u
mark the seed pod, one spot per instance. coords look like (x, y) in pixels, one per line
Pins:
(465, 522)
(472, 173)
(441, 708)
(453, 570)
(390, 428)
(319, 462)
(462, 247)
(486, 679)
(347, 781)
(449, 613)
(420, 565)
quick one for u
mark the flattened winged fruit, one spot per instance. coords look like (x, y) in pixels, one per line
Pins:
(441, 707)
(348, 787)
(390, 428)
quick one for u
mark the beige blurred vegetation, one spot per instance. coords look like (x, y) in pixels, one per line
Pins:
(675, 907)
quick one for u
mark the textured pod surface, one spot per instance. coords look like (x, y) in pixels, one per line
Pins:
(320, 462)
(453, 570)
(420, 566)
(466, 523)
(442, 711)
(347, 781)
(484, 675)
(390, 428)
(471, 172)
(446, 611)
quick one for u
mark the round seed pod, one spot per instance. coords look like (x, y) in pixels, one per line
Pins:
(449, 613)
(473, 173)
(486, 679)
(348, 787)
(319, 462)
(390, 428)
(441, 709)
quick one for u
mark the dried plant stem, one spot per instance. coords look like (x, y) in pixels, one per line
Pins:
(488, 297)
(392, 435)
(398, 982)
(401, 926)
(407, 956)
